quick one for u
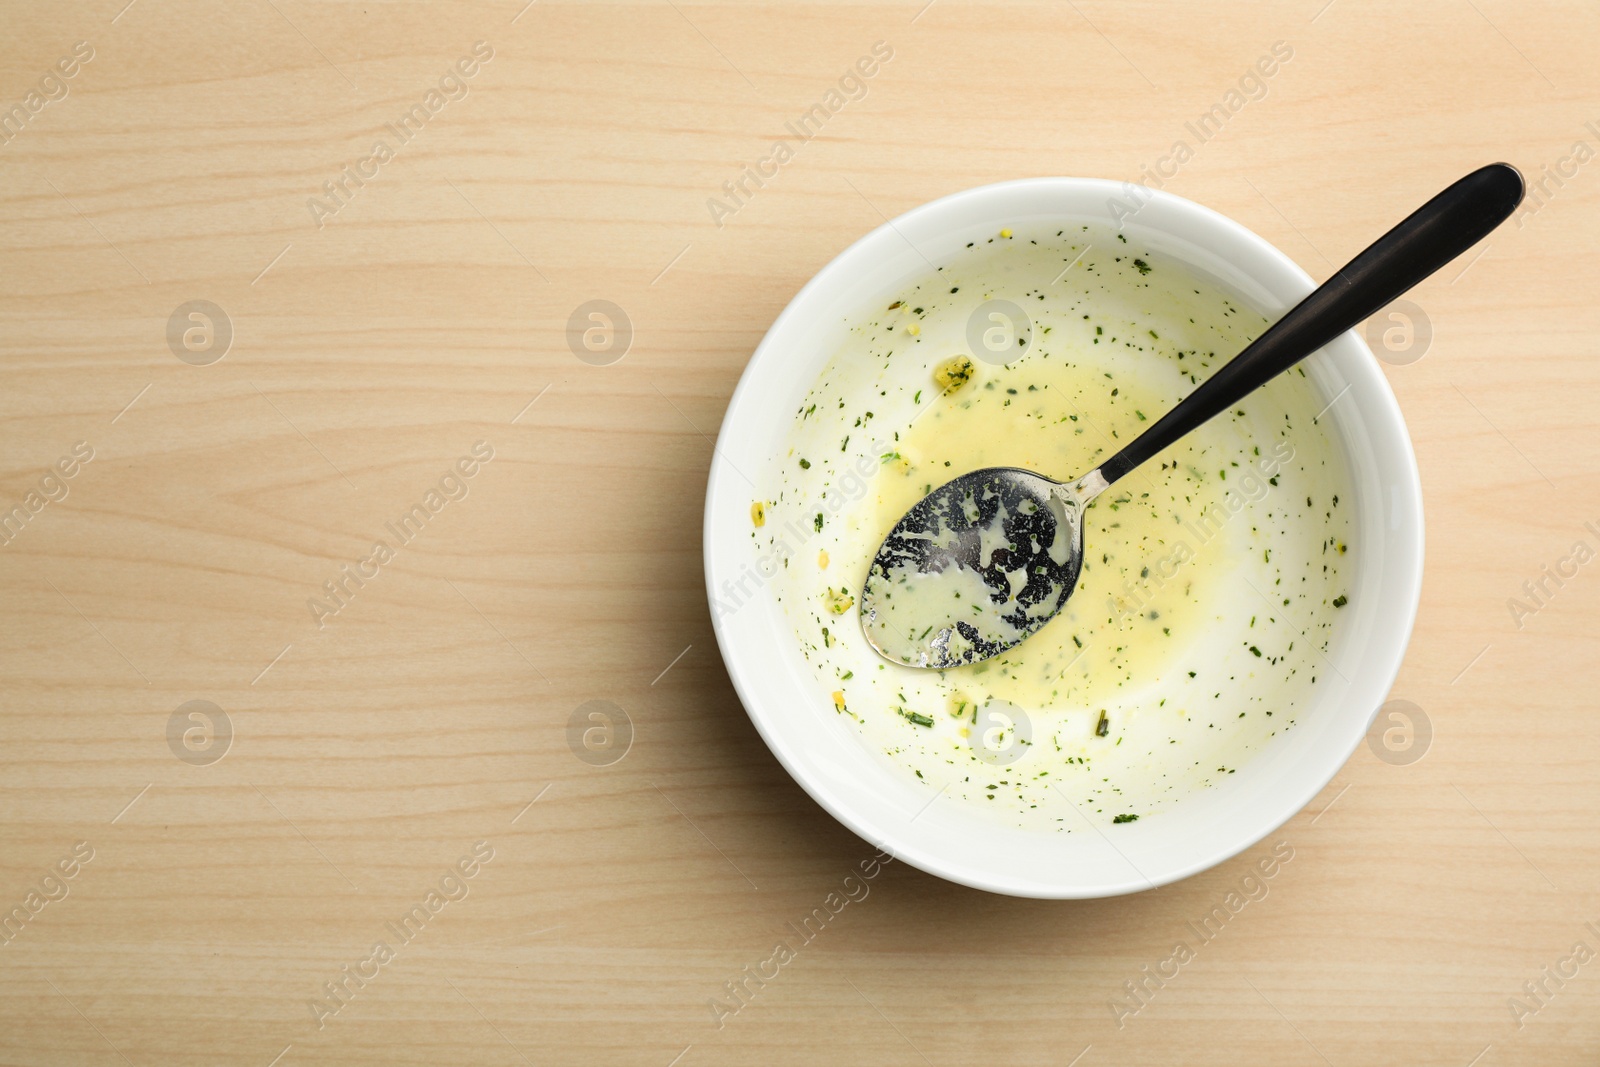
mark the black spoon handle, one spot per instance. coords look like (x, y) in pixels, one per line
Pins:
(1432, 236)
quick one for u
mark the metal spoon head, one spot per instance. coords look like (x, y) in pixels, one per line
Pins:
(973, 568)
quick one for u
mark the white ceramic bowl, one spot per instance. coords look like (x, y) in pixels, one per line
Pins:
(795, 715)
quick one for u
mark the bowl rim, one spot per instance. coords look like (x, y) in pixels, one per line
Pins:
(1381, 405)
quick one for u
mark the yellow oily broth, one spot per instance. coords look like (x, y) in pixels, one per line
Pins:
(1187, 561)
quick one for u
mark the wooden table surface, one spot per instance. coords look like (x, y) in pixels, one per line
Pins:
(206, 883)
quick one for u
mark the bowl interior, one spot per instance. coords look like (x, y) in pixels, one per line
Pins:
(796, 717)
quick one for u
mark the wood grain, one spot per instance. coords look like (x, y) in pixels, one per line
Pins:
(369, 754)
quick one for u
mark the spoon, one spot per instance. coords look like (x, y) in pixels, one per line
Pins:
(984, 561)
